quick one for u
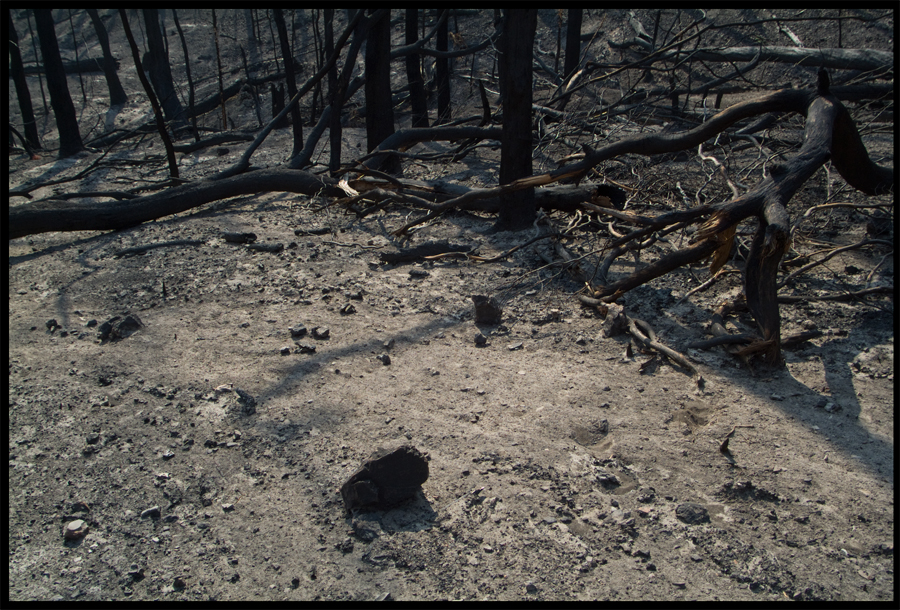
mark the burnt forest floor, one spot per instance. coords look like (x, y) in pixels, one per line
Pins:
(204, 452)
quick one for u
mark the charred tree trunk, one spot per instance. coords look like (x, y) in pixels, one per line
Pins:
(187, 67)
(573, 42)
(334, 128)
(117, 95)
(66, 121)
(17, 72)
(379, 106)
(278, 105)
(158, 67)
(516, 47)
(414, 73)
(442, 70)
(288, 58)
(215, 25)
(157, 111)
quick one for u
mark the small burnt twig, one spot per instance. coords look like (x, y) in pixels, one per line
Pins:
(723, 448)
(645, 335)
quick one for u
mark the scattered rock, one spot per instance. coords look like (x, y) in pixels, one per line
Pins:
(179, 583)
(347, 309)
(607, 478)
(646, 495)
(298, 331)
(418, 273)
(385, 359)
(285, 351)
(75, 530)
(876, 362)
(692, 514)
(304, 347)
(384, 597)
(514, 346)
(136, 572)
(345, 546)
(227, 507)
(152, 513)
(386, 479)
(487, 310)
(321, 332)
(246, 401)
(530, 587)
(480, 340)
(118, 327)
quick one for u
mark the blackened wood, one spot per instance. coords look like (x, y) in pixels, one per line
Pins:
(56, 215)
(379, 106)
(518, 209)
(288, 59)
(117, 95)
(63, 110)
(414, 73)
(17, 72)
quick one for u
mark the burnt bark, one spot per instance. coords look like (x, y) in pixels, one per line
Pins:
(517, 42)
(414, 73)
(66, 121)
(117, 95)
(187, 66)
(159, 70)
(573, 41)
(56, 215)
(379, 106)
(442, 70)
(157, 111)
(291, 80)
(334, 127)
(17, 72)
(277, 92)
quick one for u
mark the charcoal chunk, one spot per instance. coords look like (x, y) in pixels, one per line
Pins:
(386, 479)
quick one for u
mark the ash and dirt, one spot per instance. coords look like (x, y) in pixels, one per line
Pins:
(206, 463)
